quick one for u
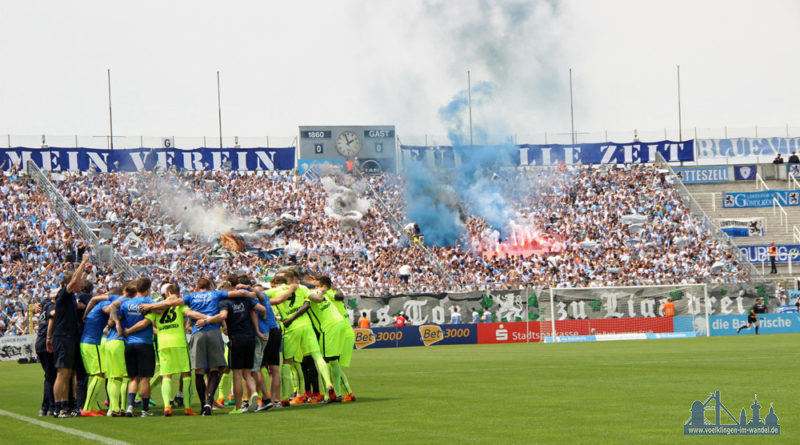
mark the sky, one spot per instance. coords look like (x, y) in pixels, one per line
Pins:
(284, 64)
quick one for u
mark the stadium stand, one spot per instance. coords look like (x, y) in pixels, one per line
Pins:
(279, 216)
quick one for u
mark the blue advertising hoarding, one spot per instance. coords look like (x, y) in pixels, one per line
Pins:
(702, 175)
(553, 154)
(760, 253)
(760, 199)
(138, 159)
(424, 335)
(783, 323)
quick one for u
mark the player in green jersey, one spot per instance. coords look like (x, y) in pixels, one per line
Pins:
(337, 339)
(299, 339)
(173, 351)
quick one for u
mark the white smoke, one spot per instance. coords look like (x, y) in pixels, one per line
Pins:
(344, 202)
(183, 205)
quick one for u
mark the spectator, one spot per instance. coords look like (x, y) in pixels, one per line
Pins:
(455, 316)
(793, 159)
(404, 272)
(400, 319)
(669, 308)
(363, 322)
(773, 253)
(780, 294)
(487, 316)
(778, 159)
(475, 316)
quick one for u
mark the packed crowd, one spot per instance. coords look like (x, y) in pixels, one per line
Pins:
(167, 224)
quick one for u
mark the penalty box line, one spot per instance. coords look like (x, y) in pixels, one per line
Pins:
(63, 429)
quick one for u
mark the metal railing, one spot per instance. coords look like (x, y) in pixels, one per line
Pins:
(792, 182)
(784, 217)
(796, 233)
(711, 226)
(74, 220)
(760, 182)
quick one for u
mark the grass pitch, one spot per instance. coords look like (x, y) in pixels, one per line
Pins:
(606, 392)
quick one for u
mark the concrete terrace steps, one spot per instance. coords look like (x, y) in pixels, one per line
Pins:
(709, 198)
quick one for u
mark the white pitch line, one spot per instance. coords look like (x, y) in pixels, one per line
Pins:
(63, 429)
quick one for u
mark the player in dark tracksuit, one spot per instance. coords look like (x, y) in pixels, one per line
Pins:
(46, 359)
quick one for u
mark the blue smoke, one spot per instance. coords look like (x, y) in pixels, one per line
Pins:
(439, 200)
(455, 115)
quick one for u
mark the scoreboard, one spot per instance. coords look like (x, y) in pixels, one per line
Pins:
(373, 146)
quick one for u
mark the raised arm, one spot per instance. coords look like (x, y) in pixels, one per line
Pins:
(77, 277)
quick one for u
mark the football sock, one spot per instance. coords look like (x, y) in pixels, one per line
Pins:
(213, 384)
(756, 330)
(285, 372)
(187, 397)
(345, 382)
(123, 392)
(200, 385)
(80, 391)
(298, 382)
(146, 404)
(131, 398)
(166, 390)
(310, 375)
(336, 376)
(322, 368)
(225, 385)
(91, 390)
(113, 395)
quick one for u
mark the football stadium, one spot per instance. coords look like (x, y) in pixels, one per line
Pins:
(354, 279)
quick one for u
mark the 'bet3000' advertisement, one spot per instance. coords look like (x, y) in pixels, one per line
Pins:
(425, 335)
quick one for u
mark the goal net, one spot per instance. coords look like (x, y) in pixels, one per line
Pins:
(619, 313)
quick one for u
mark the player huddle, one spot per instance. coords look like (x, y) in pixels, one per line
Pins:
(128, 337)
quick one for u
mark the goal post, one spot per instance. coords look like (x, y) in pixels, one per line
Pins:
(626, 312)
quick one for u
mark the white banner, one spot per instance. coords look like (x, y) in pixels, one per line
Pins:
(742, 227)
(17, 346)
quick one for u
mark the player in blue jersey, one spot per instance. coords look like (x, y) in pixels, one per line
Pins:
(140, 357)
(267, 353)
(92, 355)
(206, 348)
